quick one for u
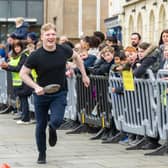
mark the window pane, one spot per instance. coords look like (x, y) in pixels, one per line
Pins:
(18, 8)
(35, 10)
(4, 9)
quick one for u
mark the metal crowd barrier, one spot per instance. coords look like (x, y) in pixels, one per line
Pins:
(92, 102)
(31, 103)
(135, 111)
(3, 87)
(143, 111)
(6, 92)
(162, 99)
(70, 110)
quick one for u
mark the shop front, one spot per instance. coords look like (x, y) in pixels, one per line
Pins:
(114, 28)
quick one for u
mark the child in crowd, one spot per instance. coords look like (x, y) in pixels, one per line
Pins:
(107, 60)
(32, 38)
(117, 62)
(21, 28)
(30, 48)
(123, 58)
(88, 61)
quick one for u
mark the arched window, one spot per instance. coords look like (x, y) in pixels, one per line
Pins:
(162, 19)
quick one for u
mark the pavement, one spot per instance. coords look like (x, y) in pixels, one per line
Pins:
(18, 149)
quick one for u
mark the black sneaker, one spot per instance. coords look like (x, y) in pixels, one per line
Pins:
(41, 158)
(52, 136)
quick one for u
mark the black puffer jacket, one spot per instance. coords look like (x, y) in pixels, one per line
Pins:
(22, 31)
(151, 60)
(102, 68)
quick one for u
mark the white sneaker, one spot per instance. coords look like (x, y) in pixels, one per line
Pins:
(33, 121)
(20, 122)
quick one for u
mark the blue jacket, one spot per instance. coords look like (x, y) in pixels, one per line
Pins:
(3, 54)
(89, 61)
(21, 32)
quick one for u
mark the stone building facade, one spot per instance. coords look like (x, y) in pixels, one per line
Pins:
(76, 17)
(148, 17)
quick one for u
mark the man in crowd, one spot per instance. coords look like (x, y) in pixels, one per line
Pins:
(135, 39)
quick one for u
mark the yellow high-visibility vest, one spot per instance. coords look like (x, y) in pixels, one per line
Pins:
(16, 80)
(33, 72)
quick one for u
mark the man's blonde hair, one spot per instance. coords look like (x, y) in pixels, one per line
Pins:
(48, 26)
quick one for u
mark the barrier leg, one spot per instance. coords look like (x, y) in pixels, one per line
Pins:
(145, 144)
(6, 109)
(115, 138)
(3, 106)
(81, 128)
(108, 134)
(162, 150)
(99, 134)
(139, 145)
(68, 125)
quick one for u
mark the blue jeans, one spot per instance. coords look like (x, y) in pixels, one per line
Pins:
(56, 104)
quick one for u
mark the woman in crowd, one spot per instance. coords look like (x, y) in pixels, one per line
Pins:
(21, 90)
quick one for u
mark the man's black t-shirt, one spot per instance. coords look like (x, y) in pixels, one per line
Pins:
(50, 66)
